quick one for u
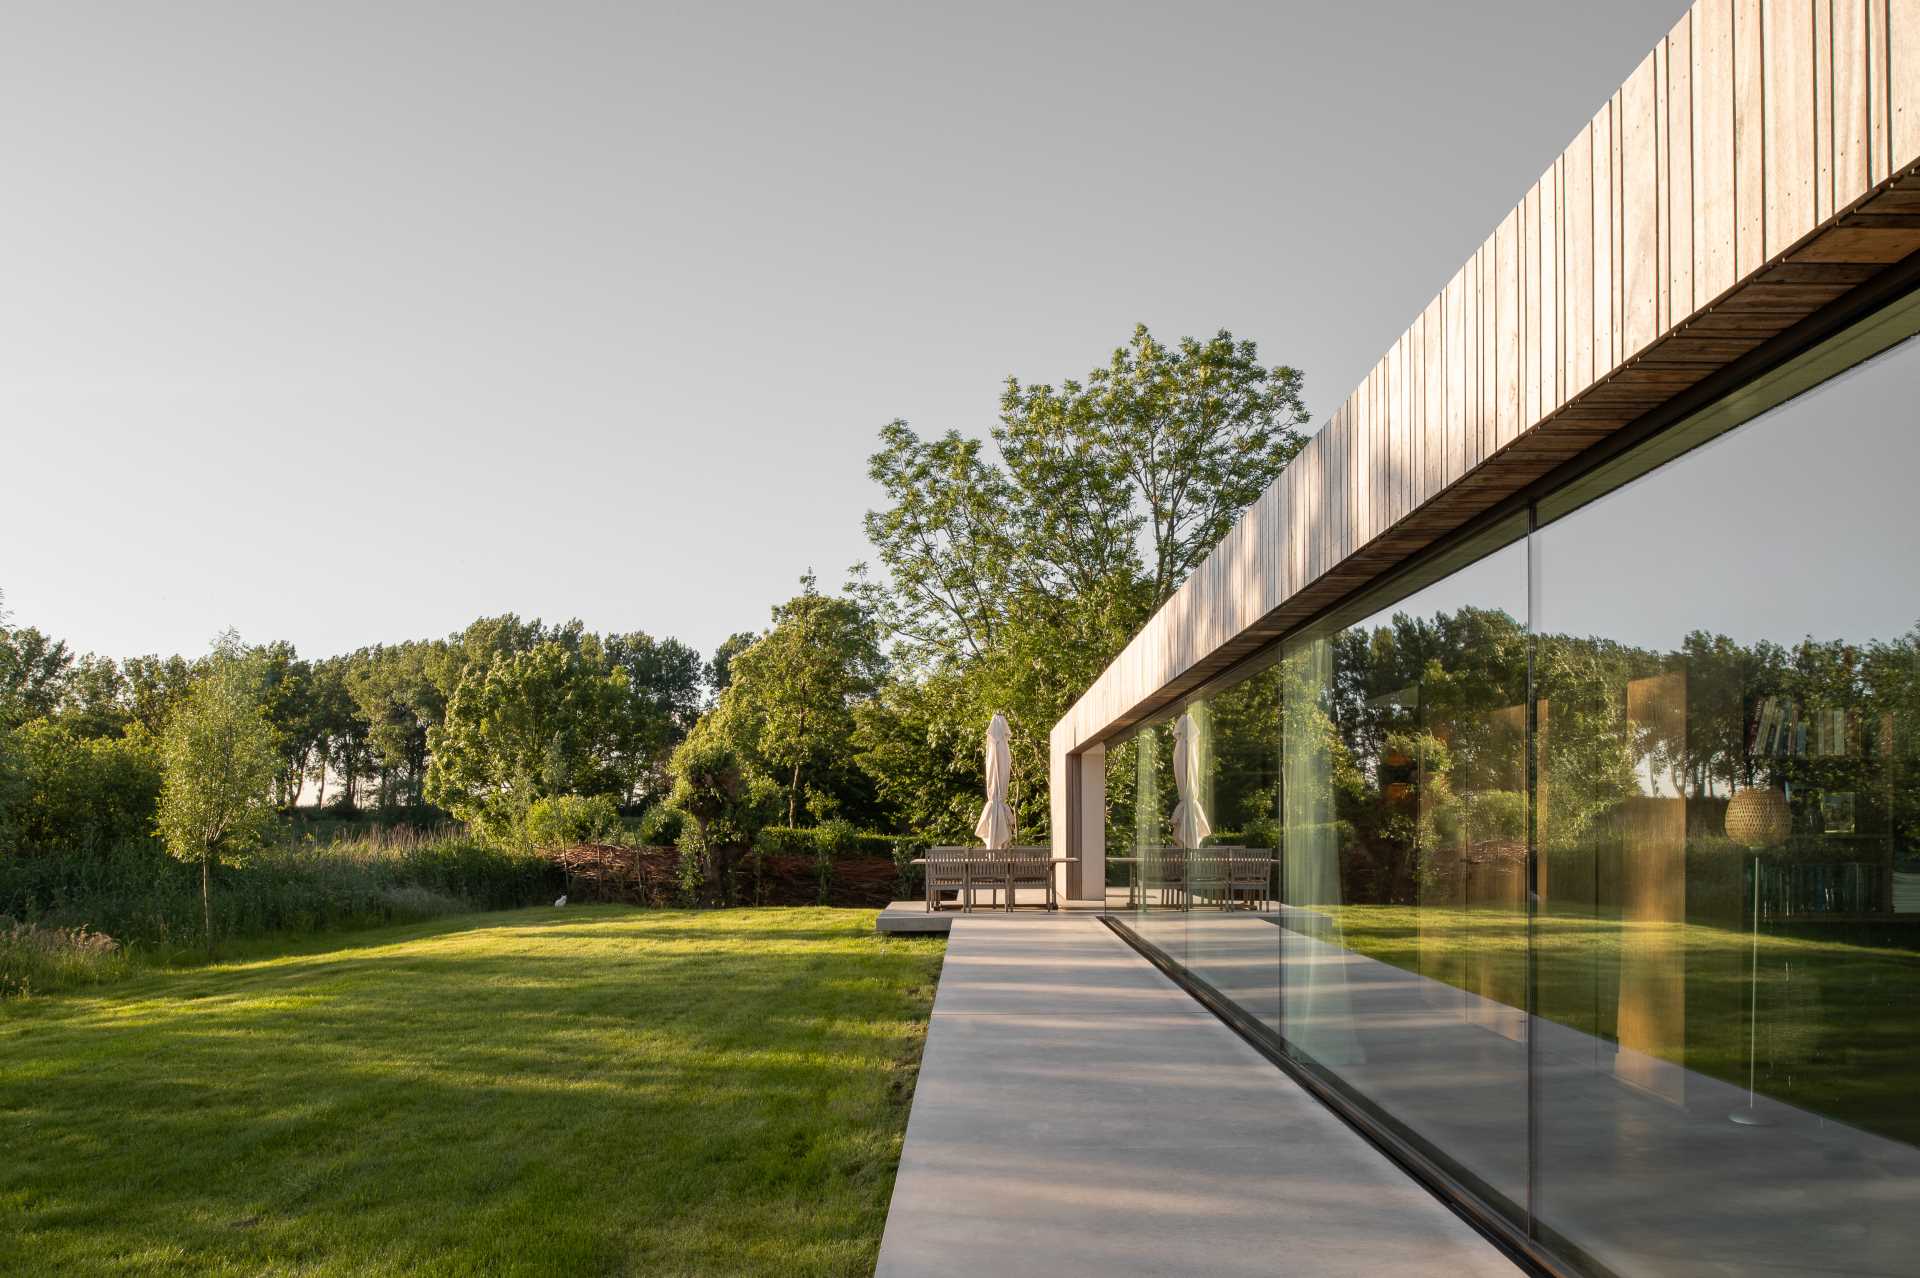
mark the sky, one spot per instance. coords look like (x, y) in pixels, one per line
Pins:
(351, 322)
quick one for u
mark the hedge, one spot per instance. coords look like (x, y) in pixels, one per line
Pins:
(835, 842)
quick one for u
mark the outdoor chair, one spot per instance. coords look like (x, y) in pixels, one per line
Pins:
(1163, 874)
(1208, 878)
(1030, 867)
(946, 871)
(1250, 878)
(992, 870)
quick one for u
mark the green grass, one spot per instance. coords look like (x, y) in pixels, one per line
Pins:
(584, 1091)
(1832, 1026)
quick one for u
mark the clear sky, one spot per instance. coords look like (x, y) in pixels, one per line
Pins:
(343, 322)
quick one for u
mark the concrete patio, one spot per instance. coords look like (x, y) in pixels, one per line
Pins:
(1078, 1114)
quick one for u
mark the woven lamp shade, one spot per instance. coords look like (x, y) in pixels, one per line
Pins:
(1759, 818)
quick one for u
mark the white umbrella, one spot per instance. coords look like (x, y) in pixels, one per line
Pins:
(995, 826)
(1190, 824)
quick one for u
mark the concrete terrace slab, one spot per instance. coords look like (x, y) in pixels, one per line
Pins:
(911, 917)
(1078, 1114)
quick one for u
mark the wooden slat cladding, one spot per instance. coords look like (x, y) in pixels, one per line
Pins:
(1756, 166)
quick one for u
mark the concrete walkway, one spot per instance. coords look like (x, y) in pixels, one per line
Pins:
(1077, 1113)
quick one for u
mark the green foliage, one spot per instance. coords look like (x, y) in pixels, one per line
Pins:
(562, 819)
(660, 825)
(718, 672)
(1495, 816)
(920, 741)
(138, 894)
(34, 672)
(152, 686)
(73, 793)
(832, 840)
(546, 721)
(728, 804)
(1010, 583)
(789, 709)
(220, 756)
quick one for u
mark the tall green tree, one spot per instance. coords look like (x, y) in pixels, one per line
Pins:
(397, 692)
(34, 672)
(663, 679)
(718, 672)
(546, 721)
(793, 693)
(1020, 571)
(726, 798)
(152, 685)
(220, 757)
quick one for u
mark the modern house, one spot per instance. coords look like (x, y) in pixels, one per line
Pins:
(1571, 677)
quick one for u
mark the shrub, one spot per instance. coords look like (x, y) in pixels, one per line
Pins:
(837, 840)
(563, 819)
(660, 826)
(1498, 816)
(74, 793)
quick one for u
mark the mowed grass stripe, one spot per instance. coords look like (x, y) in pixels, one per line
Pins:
(595, 1090)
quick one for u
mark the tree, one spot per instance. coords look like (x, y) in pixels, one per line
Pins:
(1177, 440)
(340, 734)
(220, 756)
(152, 686)
(662, 703)
(34, 672)
(715, 786)
(920, 741)
(397, 693)
(719, 671)
(94, 702)
(1024, 576)
(792, 696)
(549, 720)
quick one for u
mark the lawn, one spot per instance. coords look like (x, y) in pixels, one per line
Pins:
(1824, 1023)
(592, 1090)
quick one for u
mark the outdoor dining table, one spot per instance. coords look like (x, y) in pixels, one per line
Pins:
(966, 864)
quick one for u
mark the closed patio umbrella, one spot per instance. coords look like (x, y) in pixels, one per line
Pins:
(1190, 824)
(995, 826)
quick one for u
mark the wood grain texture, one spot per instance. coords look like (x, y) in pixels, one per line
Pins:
(1789, 119)
(1823, 186)
(1677, 190)
(1903, 73)
(1758, 165)
(1850, 103)
(1749, 137)
(1640, 187)
(1879, 87)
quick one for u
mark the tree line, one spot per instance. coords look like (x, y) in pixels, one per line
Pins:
(1007, 570)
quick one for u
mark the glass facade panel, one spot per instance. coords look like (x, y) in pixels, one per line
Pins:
(1232, 943)
(1727, 962)
(1404, 974)
(1598, 871)
(1193, 840)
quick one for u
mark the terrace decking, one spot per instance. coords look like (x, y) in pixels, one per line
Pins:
(913, 916)
(1077, 1113)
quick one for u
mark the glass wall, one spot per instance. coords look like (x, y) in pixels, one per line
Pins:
(1597, 842)
(1726, 957)
(1193, 839)
(1404, 973)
